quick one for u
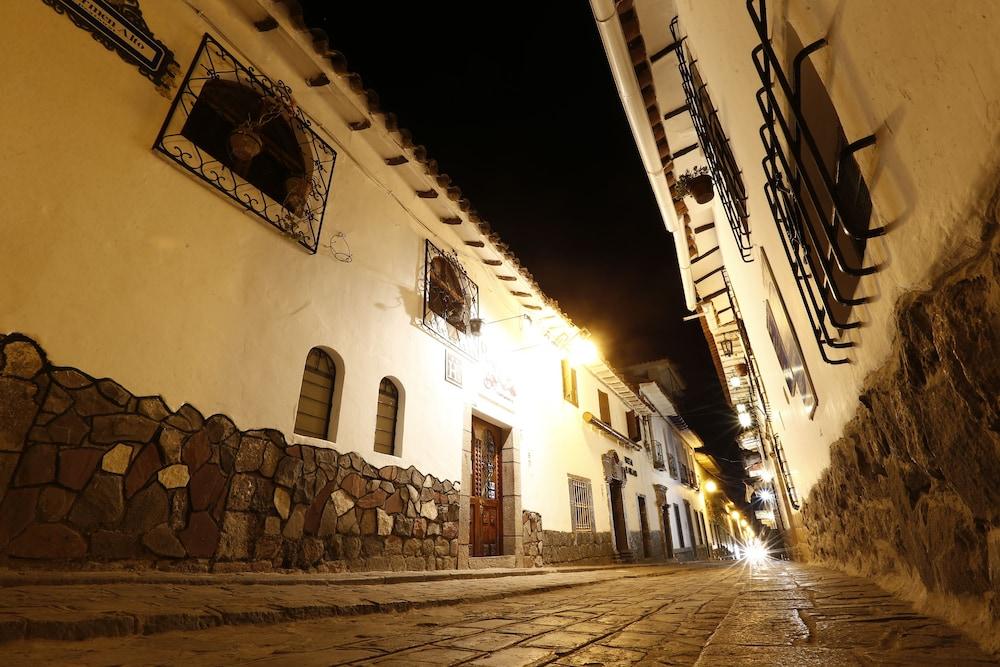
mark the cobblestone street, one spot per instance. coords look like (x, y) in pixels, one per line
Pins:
(779, 614)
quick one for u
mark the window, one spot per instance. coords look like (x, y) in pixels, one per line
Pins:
(605, 407)
(447, 298)
(451, 299)
(387, 417)
(634, 427)
(849, 190)
(581, 504)
(569, 383)
(316, 395)
(243, 135)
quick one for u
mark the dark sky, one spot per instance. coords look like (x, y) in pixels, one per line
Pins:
(518, 106)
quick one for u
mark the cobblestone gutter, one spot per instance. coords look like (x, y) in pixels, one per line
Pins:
(912, 494)
(89, 472)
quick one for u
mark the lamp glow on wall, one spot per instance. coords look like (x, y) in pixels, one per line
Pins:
(711, 486)
(583, 351)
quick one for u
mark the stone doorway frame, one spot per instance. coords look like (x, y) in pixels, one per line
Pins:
(512, 537)
(663, 512)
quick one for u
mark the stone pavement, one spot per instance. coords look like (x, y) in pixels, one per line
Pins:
(777, 614)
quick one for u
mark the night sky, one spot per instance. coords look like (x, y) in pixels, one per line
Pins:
(518, 106)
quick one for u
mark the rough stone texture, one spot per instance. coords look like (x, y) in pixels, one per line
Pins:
(94, 473)
(576, 548)
(531, 529)
(911, 489)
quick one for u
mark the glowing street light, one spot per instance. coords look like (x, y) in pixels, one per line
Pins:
(766, 495)
(735, 382)
(735, 515)
(583, 352)
(711, 486)
(745, 420)
(744, 523)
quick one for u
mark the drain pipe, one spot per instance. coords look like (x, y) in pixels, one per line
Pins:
(628, 91)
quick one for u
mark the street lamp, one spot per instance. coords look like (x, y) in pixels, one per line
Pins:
(711, 486)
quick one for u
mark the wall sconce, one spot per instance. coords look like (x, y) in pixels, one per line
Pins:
(727, 347)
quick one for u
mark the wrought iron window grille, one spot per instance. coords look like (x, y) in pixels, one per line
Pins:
(795, 196)
(450, 299)
(672, 465)
(297, 207)
(726, 174)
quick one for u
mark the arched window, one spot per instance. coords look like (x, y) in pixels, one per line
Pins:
(252, 135)
(316, 395)
(446, 297)
(387, 417)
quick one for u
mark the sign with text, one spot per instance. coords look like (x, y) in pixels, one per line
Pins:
(120, 27)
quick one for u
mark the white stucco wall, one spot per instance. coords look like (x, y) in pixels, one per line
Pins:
(925, 79)
(123, 265)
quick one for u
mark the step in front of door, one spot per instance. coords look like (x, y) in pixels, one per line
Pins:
(483, 562)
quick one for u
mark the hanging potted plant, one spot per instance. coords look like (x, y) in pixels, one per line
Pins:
(297, 191)
(696, 182)
(245, 140)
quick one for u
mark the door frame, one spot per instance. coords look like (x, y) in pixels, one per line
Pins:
(511, 536)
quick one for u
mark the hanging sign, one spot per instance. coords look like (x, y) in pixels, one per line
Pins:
(119, 26)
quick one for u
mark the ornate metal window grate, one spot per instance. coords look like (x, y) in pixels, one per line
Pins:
(823, 215)
(726, 173)
(451, 299)
(581, 503)
(297, 207)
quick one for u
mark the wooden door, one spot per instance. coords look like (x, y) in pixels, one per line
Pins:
(644, 527)
(668, 537)
(486, 496)
(618, 517)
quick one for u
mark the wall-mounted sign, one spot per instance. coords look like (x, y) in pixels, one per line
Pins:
(119, 26)
(498, 382)
(786, 344)
(453, 367)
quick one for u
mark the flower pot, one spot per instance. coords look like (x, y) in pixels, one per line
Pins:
(297, 190)
(245, 144)
(700, 188)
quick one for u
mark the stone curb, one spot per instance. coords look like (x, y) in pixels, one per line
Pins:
(291, 579)
(116, 624)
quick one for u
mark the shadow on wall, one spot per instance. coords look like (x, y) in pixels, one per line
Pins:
(911, 490)
(89, 472)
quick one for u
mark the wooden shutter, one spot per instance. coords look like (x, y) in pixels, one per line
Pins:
(569, 382)
(632, 420)
(316, 395)
(602, 400)
(385, 417)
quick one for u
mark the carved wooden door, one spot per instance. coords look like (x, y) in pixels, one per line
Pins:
(485, 498)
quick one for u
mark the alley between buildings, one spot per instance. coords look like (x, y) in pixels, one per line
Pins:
(778, 613)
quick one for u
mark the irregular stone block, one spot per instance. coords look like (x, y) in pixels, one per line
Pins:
(146, 463)
(206, 487)
(295, 524)
(48, 541)
(384, 521)
(117, 458)
(67, 429)
(428, 510)
(250, 455)
(16, 512)
(348, 524)
(179, 505)
(162, 542)
(241, 492)
(239, 531)
(114, 391)
(22, 359)
(113, 545)
(342, 501)
(38, 466)
(102, 503)
(58, 401)
(201, 537)
(88, 402)
(170, 442)
(269, 463)
(282, 501)
(108, 429)
(54, 503)
(354, 484)
(146, 509)
(70, 378)
(175, 476)
(17, 412)
(76, 466)
(289, 471)
(153, 407)
(373, 499)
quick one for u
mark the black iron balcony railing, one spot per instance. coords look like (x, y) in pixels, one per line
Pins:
(726, 174)
(823, 218)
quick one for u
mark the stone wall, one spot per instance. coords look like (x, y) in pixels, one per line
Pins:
(89, 472)
(531, 528)
(912, 493)
(577, 548)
